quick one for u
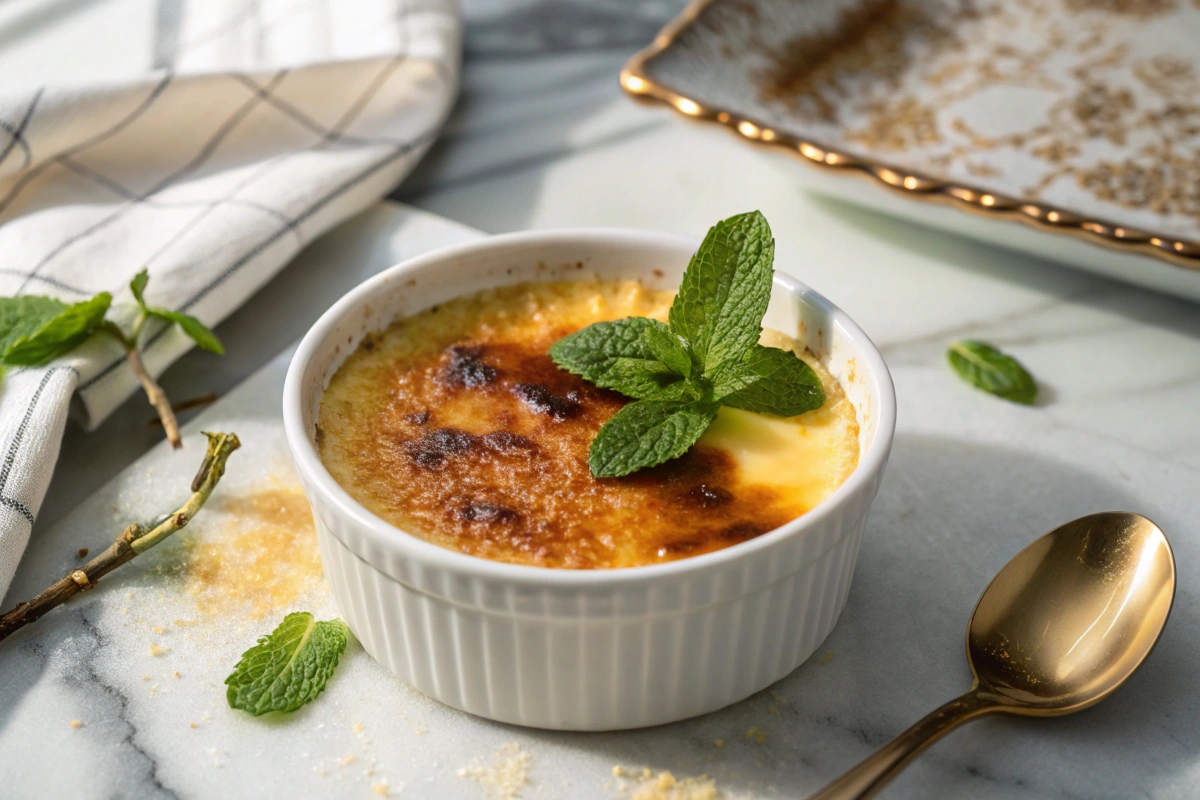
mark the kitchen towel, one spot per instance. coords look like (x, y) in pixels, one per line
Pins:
(254, 126)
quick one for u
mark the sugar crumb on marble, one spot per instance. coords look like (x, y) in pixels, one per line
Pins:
(76, 723)
(159, 650)
(756, 734)
(665, 786)
(505, 776)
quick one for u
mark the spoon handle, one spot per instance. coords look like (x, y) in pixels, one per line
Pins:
(869, 777)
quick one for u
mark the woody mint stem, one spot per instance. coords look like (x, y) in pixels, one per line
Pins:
(154, 393)
(134, 540)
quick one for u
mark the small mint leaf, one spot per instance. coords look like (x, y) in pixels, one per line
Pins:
(683, 390)
(669, 349)
(138, 287)
(60, 334)
(199, 333)
(194, 328)
(289, 667)
(23, 316)
(614, 355)
(772, 381)
(986, 368)
(725, 291)
(646, 433)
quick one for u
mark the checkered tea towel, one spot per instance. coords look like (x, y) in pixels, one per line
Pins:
(254, 126)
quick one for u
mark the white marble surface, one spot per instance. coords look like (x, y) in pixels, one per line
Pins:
(543, 139)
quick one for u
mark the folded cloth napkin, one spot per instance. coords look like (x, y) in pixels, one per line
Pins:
(255, 126)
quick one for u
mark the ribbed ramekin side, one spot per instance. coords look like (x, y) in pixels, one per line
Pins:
(591, 673)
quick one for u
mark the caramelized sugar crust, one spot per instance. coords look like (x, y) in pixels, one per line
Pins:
(455, 425)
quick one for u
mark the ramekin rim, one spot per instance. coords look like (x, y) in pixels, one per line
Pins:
(390, 537)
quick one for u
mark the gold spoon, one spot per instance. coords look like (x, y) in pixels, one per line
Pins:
(1064, 624)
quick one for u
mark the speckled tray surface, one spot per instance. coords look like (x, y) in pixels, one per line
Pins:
(1078, 116)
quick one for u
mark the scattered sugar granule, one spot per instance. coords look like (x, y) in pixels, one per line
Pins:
(347, 760)
(192, 724)
(380, 789)
(157, 650)
(76, 723)
(124, 610)
(825, 659)
(145, 677)
(159, 629)
(666, 786)
(358, 728)
(772, 710)
(718, 742)
(186, 623)
(504, 777)
(756, 734)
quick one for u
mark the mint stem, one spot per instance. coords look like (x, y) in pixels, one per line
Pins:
(133, 541)
(154, 393)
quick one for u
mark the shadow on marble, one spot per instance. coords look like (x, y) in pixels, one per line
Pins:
(1057, 280)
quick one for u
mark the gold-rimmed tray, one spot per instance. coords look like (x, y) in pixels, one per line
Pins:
(1077, 117)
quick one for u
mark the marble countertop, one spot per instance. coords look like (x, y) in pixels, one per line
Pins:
(543, 138)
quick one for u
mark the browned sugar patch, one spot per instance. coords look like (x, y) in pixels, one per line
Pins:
(483, 447)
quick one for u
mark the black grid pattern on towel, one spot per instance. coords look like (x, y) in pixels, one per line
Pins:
(335, 135)
(14, 447)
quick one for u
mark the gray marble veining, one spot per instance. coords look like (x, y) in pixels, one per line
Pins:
(543, 138)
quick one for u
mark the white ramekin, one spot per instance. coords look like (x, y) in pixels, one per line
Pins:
(598, 649)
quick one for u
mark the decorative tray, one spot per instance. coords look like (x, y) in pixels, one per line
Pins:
(1078, 117)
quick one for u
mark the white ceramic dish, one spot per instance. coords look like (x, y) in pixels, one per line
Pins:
(585, 650)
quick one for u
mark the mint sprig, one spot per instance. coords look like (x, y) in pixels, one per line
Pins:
(37, 330)
(289, 667)
(706, 356)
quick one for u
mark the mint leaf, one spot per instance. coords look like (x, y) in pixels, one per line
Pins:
(669, 349)
(615, 355)
(138, 287)
(199, 333)
(772, 381)
(646, 433)
(24, 315)
(986, 368)
(725, 291)
(288, 668)
(60, 334)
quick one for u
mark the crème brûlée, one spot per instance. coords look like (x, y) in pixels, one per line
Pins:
(456, 426)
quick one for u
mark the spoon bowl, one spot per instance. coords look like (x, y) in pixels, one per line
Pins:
(1067, 621)
(1071, 617)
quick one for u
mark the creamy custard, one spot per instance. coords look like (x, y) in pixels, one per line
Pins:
(455, 425)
